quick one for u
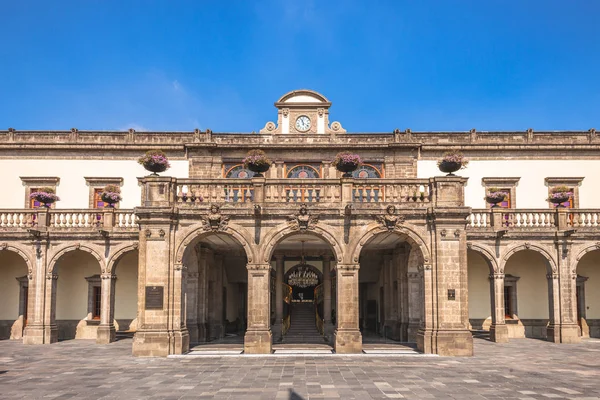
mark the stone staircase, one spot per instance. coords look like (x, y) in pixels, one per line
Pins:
(302, 326)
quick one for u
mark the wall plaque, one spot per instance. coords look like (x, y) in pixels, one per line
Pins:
(154, 297)
(451, 294)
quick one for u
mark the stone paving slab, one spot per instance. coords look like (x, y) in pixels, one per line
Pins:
(521, 369)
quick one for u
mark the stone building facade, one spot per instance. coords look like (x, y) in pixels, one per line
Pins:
(393, 253)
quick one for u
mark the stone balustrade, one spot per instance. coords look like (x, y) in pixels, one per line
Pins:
(327, 191)
(526, 219)
(68, 219)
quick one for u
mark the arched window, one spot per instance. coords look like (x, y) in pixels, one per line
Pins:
(303, 172)
(239, 172)
(366, 171)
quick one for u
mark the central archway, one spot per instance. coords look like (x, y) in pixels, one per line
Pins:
(302, 305)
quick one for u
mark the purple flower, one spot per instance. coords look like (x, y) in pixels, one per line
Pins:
(454, 157)
(256, 157)
(346, 158)
(155, 157)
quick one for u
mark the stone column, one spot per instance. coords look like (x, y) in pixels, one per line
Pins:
(279, 269)
(328, 327)
(192, 304)
(445, 331)
(347, 337)
(41, 325)
(563, 328)
(202, 305)
(258, 338)
(106, 330)
(161, 281)
(498, 329)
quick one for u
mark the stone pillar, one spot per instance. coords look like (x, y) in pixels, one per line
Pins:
(106, 330)
(192, 304)
(328, 327)
(347, 184)
(161, 282)
(445, 331)
(41, 325)
(259, 190)
(498, 329)
(347, 337)
(258, 338)
(202, 305)
(564, 328)
(279, 269)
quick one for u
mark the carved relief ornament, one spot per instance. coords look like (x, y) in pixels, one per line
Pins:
(214, 221)
(303, 220)
(390, 220)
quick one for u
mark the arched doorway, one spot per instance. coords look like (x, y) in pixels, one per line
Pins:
(78, 295)
(480, 300)
(302, 290)
(588, 294)
(527, 278)
(125, 301)
(216, 289)
(14, 289)
(391, 289)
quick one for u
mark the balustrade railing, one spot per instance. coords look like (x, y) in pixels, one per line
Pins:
(506, 218)
(76, 218)
(583, 218)
(18, 219)
(409, 190)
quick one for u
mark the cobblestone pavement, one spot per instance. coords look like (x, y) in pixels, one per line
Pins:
(521, 369)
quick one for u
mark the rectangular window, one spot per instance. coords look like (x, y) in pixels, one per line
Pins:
(33, 203)
(96, 302)
(508, 309)
(98, 203)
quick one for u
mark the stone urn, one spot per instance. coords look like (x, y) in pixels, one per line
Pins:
(449, 167)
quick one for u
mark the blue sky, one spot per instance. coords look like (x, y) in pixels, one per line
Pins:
(180, 65)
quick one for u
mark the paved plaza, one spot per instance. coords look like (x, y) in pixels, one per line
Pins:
(521, 369)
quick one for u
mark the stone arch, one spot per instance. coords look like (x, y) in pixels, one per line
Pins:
(487, 254)
(22, 253)
(279, 233)
(112, 261)
(529, 246)
(587, 249)
(197, 232)
(61, 252)
(375, 228)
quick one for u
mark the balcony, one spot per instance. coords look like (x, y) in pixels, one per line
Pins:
(69, 219)
(190, 192)
(533, 219)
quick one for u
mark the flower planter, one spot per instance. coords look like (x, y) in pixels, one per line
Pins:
(347, 169)
(557, 200)
(494, 200)
(155, 168)
(258, 169)
(449, 167)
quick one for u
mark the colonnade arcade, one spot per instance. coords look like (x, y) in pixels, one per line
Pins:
(195, 274)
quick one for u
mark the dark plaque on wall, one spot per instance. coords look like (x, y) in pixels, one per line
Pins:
(154, 297)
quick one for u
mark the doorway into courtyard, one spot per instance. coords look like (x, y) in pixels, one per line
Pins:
(14, 290)
(216, 290)
(302, 293)
(391, 290)
(588, 295)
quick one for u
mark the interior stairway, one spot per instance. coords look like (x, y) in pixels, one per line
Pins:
(302, 325)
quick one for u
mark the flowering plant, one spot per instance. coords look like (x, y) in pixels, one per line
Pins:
(111, 194)
(559, 194)
(155, 161)
(256, 157)
(45, 195)
(454, 157)
(346, 158)
(496, 193)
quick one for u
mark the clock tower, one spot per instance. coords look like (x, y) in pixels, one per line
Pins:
(303, 112)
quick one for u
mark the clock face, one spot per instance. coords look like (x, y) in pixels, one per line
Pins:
(303, 123)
